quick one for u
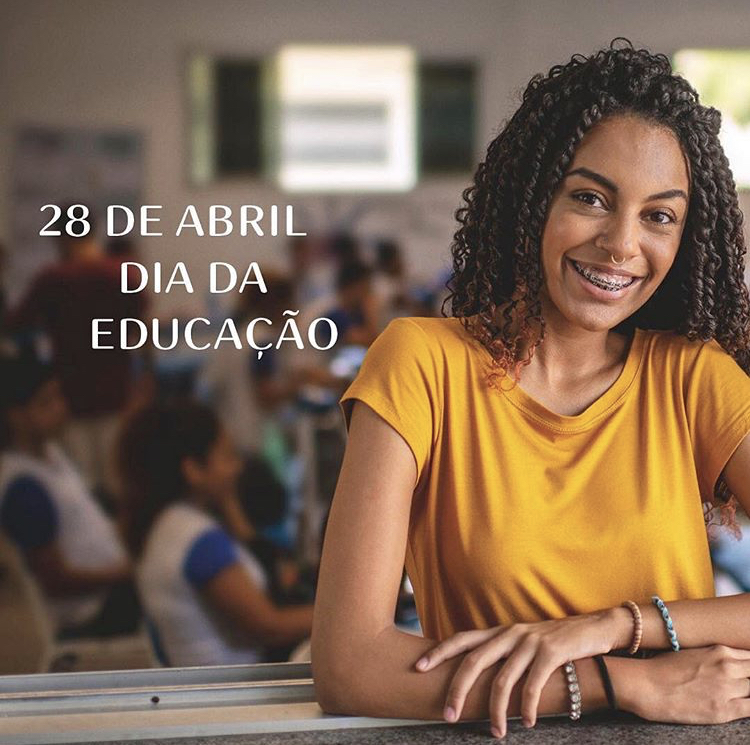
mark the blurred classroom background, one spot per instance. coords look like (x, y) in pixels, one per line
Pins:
(134, 484)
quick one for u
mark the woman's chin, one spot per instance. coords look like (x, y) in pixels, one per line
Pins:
(594, 322)
(595, 317)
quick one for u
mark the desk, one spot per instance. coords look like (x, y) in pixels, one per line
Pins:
(273, 704)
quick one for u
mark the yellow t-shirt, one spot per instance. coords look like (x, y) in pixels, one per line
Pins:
(522, 514)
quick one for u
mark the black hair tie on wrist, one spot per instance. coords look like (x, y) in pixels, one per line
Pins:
(607, 682)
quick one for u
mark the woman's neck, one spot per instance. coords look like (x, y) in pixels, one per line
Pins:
(30, 445)
(197, 500)
(569, 354)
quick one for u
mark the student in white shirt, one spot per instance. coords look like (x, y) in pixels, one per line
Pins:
(204, 594)
(69, 543)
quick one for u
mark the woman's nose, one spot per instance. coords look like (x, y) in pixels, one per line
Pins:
(620, 237)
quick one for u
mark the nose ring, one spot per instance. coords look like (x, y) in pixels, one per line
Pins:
(615, 261)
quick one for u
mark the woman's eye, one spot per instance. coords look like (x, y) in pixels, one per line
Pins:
(588, 198)
(665, 218)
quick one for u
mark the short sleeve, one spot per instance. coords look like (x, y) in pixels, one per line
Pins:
(212, 551)
(28, 514)
(399, 380)
(718, 408)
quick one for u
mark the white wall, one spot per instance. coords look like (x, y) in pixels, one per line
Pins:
(116, 62)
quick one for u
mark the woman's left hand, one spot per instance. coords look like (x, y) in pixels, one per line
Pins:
(539, 648)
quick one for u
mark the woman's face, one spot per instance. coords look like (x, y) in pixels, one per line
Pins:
(215, 477)
(625, 194)
(44, 415)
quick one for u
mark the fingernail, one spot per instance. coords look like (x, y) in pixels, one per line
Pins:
(449, 713)
(496, 732)
(422, 664)
(528, 723)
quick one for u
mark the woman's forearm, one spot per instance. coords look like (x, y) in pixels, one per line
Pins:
(291, 624)
(697, 686)
(698, 623)
(380, 681)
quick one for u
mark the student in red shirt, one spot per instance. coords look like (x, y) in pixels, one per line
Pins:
(62, 300)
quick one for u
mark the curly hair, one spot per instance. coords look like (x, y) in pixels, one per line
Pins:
(497, 275)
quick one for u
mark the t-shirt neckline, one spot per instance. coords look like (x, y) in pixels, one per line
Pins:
(609, 399)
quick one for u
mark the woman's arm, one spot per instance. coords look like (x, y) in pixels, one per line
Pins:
(235, 518)
(233, 594)
(362, 664)
(701, 623)
(536, 650)
(60, 579)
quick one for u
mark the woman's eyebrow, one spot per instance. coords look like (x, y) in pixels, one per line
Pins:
(605, 182)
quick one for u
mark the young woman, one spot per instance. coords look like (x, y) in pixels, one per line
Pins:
(68, 542)
(541, 457)
(204, 595)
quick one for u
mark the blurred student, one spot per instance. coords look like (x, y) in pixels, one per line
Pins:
(204, 594)
(312, 269)
(250, 393)
(69, 544)
(389, 282)
(62, 302)
(315, 265)
(264, 501)
(354, 310)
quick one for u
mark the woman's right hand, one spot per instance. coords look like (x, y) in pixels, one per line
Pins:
(707, 685)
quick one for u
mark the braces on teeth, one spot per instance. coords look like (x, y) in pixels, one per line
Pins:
(599, 281)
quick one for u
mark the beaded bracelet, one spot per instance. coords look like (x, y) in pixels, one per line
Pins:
(659, 603)
(574, 690)
(637, 626)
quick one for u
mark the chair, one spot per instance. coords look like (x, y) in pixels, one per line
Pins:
(34, 649)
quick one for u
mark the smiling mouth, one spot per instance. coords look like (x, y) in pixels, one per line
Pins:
(604, 282)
